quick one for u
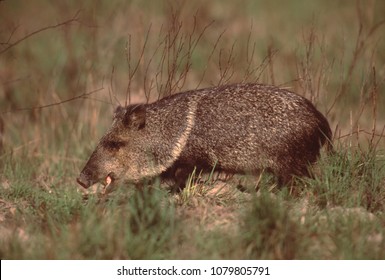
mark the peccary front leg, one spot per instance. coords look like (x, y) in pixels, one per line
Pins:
(176, 177)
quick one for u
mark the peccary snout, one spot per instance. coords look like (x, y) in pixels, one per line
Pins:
(86, 178)
(83, 181)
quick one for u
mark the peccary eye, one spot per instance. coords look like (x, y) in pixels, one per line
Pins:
(114, 145)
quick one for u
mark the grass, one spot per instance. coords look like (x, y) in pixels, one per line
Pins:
(337, 215)
(62, 73)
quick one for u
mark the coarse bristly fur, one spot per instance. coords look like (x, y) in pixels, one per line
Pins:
(239, 128)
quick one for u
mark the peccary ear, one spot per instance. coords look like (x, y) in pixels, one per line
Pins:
(135, 116)
(119, 112)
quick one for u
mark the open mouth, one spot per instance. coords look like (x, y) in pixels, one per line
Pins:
(108, 181)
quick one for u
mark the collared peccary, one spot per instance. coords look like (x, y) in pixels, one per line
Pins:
(239, 128)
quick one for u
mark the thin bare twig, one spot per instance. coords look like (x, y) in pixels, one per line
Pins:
(209, 58)
(81, 96)
(132, 73)
(374, 95)
(226, 71)
(10, 36)
(111, 88)
(361, 44)
(358, 131)
(11, 45)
